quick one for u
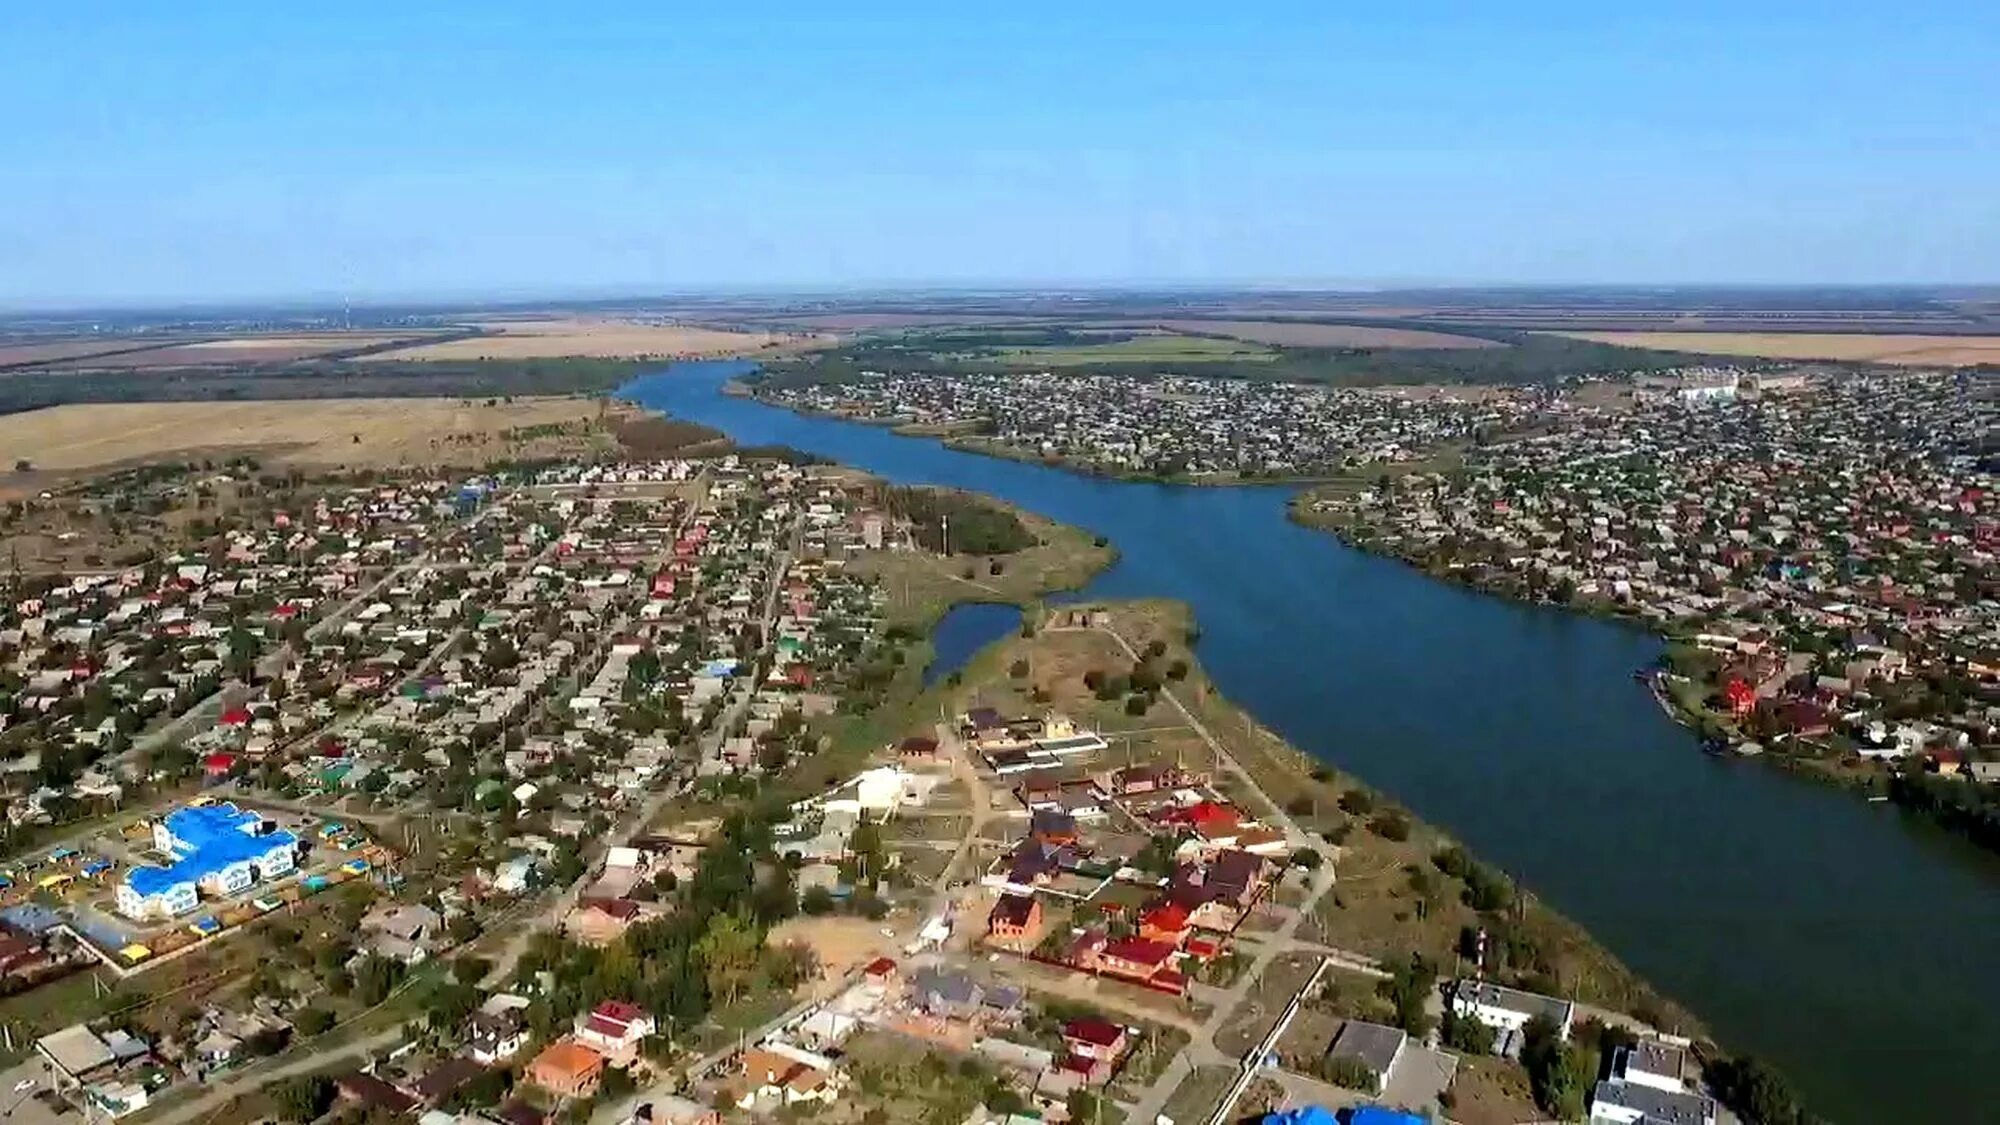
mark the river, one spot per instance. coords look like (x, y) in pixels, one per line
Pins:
(1851, 946)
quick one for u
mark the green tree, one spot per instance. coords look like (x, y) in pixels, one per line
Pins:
(303, 1099)
(312, 1020)
(728, 951)
(1409, 988)
(1758, 1094)
(1559, 1075)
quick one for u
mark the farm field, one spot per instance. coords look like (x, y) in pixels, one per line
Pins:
(16, 352)
(234, 350)
(1303, 335)
(1912, 351)
(345, 432)
(1139, 349)
(602, 339)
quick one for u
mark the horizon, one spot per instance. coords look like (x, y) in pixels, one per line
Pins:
(472, 153)
(475, 302)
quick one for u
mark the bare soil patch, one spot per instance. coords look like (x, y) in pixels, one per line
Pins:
(1304, 335)
(839, 943)
(1911, 351)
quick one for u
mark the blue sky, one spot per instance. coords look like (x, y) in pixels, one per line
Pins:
(226, 150)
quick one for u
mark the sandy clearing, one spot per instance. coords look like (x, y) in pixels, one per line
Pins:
(1912, 351)
(602, 339)
(840, 943)
(360, 431)
(1296, 334)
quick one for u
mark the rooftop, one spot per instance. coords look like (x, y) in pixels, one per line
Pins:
(207, 839)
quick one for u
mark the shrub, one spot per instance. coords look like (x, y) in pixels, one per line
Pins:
(1390, 825)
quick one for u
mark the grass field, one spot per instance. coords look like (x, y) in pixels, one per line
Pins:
(1302, 335)
(1908, 351)
(1139, 349)
(603, 339)
(350, 432)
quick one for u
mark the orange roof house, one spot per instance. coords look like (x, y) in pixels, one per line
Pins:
(1164, 922)
(567, 1069)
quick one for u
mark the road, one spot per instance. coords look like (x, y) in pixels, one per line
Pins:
(218, 1095)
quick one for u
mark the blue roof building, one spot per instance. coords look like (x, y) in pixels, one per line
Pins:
(217, 848)
(1377, 1115)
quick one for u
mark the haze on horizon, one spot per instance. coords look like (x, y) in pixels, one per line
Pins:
(231, 151)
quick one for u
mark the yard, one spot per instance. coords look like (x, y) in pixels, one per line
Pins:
(1199, 1093)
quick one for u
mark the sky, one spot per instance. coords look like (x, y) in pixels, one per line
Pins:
(228, 151)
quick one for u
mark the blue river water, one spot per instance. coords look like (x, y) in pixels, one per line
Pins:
(1849, 945)
(963, 631)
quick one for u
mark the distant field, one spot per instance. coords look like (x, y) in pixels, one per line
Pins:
(602, 339)
(352, 432)
(237, 350)
(1139, 349)
(1912, 351)
(47, 351)
(859, 321)
(1301, 335)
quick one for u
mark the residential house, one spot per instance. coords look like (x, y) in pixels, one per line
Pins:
(1370, 1045)
(492, 1037)
(785, 1075)
(567, 1069)
(614, 1029)
(1094, 1047)
(1015, 920)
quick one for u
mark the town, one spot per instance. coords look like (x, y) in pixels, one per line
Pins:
(1820, 551)
(1175, 427)
(620, 792)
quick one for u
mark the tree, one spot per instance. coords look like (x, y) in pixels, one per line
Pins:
(728, 952)
(375, 977)
(816, 901)
(1018, 670)
(1306, 859)
(616, 1083)
(451, 1005)
(1357, 802)
(1352, 1074)
(303, 1099)
(1085, 1107)
(1756, 1092)
(1559, 1075)
(1408, 988)
(1462, 1033)
(312, 1021)
(1390, 824)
